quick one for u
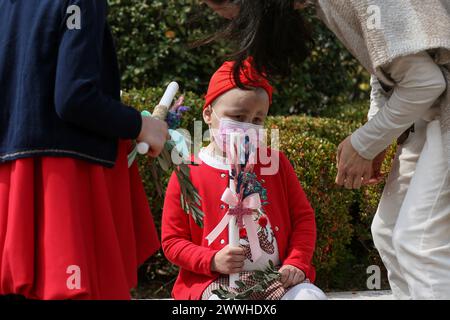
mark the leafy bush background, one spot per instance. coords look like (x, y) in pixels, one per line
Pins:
(153, 38)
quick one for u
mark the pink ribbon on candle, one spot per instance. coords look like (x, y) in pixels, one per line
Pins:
(242, 210)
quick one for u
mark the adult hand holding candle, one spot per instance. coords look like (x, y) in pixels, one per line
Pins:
(168, 141)
(160, 112)
(154, 132)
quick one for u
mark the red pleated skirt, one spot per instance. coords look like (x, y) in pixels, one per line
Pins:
(70, 229)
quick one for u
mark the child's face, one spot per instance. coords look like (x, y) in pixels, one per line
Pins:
(247, 106)
(250, 106)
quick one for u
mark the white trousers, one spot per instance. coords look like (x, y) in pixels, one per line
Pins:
(411, 229)
(302, 291)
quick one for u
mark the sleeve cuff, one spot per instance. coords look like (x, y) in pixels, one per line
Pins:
(305, 268)
(129, 123)
(208, 258)
(361, 147)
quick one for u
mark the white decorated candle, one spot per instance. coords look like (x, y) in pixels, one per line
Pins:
(233, 229)
(170, 94)
(164, 105)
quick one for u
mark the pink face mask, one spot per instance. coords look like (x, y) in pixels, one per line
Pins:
(248, 132)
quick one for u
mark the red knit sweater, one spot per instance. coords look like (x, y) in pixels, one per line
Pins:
(184, 242)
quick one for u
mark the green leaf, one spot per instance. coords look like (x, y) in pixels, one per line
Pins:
(240, 284)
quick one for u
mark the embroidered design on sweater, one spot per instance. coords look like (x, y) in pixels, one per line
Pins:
(266, 236)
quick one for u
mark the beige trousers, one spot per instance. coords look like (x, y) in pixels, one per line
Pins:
(411, 229)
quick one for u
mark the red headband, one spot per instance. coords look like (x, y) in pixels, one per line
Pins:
(222, 81)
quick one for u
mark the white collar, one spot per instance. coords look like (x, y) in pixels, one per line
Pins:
(213, 160)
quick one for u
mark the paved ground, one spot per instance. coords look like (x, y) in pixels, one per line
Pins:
(357, 295)
(361, 295)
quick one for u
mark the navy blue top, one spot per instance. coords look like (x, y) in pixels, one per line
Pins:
(60, 86)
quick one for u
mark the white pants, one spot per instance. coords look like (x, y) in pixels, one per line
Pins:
(411, 229)
(302, 291)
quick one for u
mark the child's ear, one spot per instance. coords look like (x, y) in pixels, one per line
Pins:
(207, 115)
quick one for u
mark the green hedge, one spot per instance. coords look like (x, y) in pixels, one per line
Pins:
(344, 246)
(154, 40)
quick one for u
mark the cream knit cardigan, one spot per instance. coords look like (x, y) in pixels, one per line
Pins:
(405, 27)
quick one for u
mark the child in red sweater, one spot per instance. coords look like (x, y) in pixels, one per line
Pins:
(285, 229)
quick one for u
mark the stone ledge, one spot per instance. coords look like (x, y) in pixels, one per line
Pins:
(361, 295)
(351, 295)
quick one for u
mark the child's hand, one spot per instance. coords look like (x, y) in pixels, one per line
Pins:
(155, 133)
(291, 276)
(229, 260)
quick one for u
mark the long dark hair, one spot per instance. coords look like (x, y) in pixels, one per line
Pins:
(271, 31)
